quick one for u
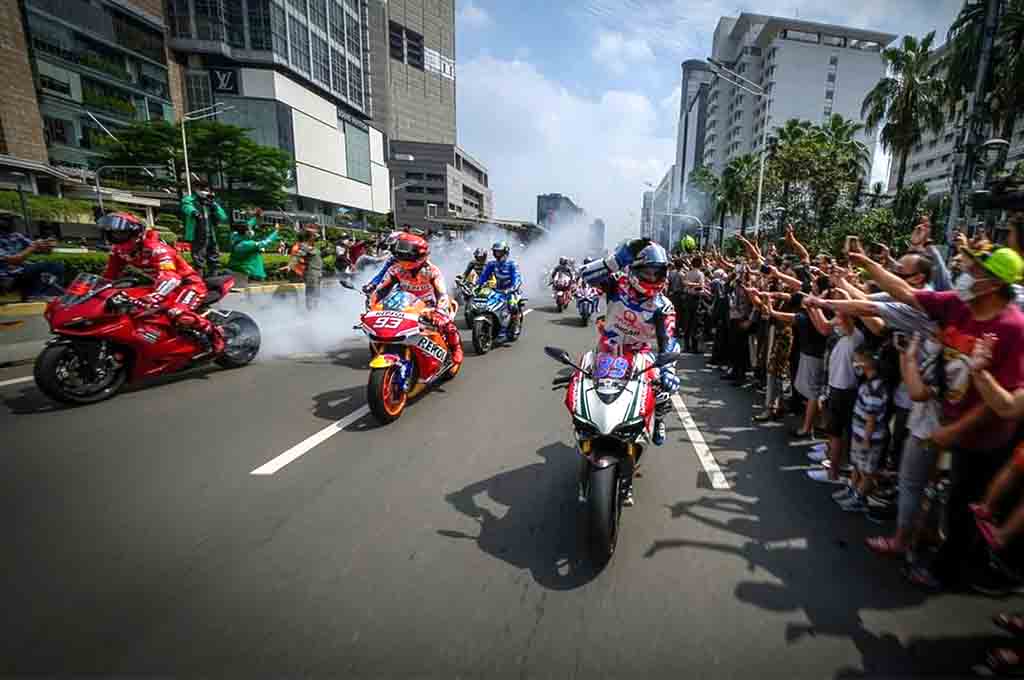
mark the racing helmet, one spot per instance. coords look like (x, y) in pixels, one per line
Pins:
(120, 227)
(563, 261)
(587, 260)
(410, 251)
(480, 255)
(649, 270)
(500, 250)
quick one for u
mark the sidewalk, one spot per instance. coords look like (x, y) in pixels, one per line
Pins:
(24, 331)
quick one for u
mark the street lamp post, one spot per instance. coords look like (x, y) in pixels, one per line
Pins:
(198, 114)
(671, 216)
(734, 79)
(409, 158)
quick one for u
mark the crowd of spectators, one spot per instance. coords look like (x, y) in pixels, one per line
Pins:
(911, 368)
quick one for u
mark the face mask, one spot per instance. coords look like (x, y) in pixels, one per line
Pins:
(965, 287)
(858, 370)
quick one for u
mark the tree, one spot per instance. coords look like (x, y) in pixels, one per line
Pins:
(908, 100)
(739, 185)
(788, 154)
(876, 194)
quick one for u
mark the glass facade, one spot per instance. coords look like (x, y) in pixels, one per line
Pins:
(95, 59)
(357, 153)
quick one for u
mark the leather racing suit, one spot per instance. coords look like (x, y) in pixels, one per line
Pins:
(507, 279)
(177, 288)
(426, 283)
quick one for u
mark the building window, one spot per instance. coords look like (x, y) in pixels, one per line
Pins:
(833, 40)
(435, 190)
(800, 36)
(929, 163)
(414, 203)
(831, 78)
(179, 19)
(259, 25)
(414, 190)
(337, 23)
(414, 175)
(54, 85)
(321, 61)
(235, 23)
(833, 60)
(396, 36)
(56, 130)
(299, 5)
(352, 33)
(915, 167)
(197, 90)
(355, 84)
(357, 153)
(318, 14)
(830, 94)
(279, 31)
(209, 20)
(299, 34)
(945, 159)
(949, 138)
(338, 81)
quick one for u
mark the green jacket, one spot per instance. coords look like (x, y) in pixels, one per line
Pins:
(190, 211)
(246, 255)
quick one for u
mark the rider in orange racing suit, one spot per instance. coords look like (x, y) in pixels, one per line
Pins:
(177, 288)
(413, 273)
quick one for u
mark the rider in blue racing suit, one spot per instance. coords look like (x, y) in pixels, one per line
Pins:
(507, 281)
(638, 317)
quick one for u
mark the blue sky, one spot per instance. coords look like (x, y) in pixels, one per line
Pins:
(582, 97)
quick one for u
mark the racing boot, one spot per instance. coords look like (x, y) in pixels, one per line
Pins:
(660, 431)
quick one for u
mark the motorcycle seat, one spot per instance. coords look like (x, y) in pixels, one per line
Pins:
(213, 288)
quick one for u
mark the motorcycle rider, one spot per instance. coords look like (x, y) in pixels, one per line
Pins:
(389, 247)
(564, 267)
(477, 264)
(177, 288)
(414, 273)
(507, 279)
(638, 316)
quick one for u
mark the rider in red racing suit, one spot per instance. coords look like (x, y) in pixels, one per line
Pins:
(177, 289)
(413, 273)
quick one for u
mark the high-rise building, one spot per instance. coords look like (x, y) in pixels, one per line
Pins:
(438, 181)
(297, 73)
(808, 70)
(646, 215)
(413, 47)
(555, 208)
(661, 210)
(690, 133)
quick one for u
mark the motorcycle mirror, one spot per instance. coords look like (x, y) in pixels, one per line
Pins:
(667, 358)
(559, 355)
(346, 284)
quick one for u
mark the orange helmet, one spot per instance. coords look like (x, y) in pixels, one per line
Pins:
(410, 251)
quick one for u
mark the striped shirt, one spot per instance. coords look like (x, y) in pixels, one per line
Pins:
(872, 400)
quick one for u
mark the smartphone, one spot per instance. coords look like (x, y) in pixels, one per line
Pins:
(900, 341)
(852, 244)
(765, 269)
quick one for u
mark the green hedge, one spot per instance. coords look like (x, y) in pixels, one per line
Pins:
(95, 263)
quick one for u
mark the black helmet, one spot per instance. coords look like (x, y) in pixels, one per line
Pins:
(587, 260)
(120, 227)
(500, 249)
(480, 255)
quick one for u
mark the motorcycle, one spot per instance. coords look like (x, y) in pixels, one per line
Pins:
(408, 355)
(101, 340)
(492, 320)
(562, 286)
(465, 291)
(587, 298)
(611, 399)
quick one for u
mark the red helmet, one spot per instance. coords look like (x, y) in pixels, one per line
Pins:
(121, 227)
(411, 251)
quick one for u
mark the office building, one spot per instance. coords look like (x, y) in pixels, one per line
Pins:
(646, 215)
(73, 67)
(413, 48)
(553, 209)
(694, 87)
(433, 182)
(808, 70)
(661, 209)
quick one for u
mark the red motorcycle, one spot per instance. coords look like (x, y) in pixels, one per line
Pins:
(563, 291)
(102, 340)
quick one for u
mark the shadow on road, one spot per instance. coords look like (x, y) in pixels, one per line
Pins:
(540, 529)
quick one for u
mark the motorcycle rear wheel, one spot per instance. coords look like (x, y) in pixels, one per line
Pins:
(586, 319)
(56, 360)
(241, 339)
(604, 507)
(385, 405)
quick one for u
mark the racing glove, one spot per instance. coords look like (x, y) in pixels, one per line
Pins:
(669, 380)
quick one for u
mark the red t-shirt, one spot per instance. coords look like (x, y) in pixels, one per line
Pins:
(959, 330)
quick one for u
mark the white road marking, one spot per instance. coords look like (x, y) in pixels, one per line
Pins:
(15, 381)
(527, 311)
(309, 443)
(715, 474)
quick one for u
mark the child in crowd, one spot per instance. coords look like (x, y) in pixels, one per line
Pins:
(868, 440)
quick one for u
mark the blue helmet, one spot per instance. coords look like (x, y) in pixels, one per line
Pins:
(500, 250)
(649, 270)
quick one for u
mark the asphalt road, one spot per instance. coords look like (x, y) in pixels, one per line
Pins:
(443, 545)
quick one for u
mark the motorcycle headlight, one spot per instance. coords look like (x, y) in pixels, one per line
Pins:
(609, 389)
(630, 429)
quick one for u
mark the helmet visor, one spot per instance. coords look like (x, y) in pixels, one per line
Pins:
(404, 251)
(651, 274)
(117, 228)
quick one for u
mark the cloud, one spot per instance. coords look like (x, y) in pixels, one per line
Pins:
(545, 138)
(617, 52)
(472, 16)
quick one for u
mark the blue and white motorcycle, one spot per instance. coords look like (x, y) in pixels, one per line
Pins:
(494, 319)
(587, 300)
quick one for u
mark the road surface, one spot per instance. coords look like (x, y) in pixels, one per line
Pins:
(140, 541)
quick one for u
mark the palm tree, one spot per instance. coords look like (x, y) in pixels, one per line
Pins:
(784, 154)
(1007, 92)
(877, 194)
(710, 184)
(907, 101)
(839, 137)
(738, 186)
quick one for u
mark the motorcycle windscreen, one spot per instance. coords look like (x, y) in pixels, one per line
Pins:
(398, 300)
(79, 288)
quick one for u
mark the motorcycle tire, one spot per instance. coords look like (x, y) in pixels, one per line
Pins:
(384, 407)
(45, 374)
(559, 307)
(241, 339)
(483, 336)
(586, 319)
(604, 506)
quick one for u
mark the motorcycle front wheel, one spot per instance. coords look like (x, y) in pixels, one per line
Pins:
(241, 339)
(604, 510)
(61, 374)
(384, 396)
(483, 337)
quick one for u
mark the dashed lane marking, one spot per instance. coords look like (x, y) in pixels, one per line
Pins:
(715, 474)
(15, 381)
(309, 443)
